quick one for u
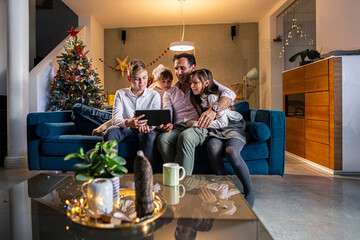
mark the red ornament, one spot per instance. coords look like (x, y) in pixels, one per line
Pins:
(78, 48)
(72, 32)
(162, 54)
(150, 63)
(156, 59)
(153, 61)
(165, 51)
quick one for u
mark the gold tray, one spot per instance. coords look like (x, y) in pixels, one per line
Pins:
(77, 211)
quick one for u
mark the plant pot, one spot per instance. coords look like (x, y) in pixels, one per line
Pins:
(98, 194)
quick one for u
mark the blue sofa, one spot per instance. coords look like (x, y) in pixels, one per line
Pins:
(53, 135)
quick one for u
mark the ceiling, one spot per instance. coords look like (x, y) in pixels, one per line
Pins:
(141, 13)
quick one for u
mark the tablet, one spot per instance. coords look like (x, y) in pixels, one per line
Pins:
(155, 117)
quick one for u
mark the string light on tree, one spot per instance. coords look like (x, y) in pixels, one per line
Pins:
(75, 81)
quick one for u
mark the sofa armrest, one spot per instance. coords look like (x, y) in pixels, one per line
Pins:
(276, 143)
(34, 119)
(47, 130)
(33, 141)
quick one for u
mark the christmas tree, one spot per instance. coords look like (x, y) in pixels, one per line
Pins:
(75, 81)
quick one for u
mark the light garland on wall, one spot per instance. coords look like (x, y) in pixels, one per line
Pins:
(148, 65)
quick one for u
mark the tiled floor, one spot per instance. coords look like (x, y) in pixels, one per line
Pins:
(306, 203)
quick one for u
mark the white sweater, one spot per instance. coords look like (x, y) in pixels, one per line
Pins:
(223, 117)
(126, 103)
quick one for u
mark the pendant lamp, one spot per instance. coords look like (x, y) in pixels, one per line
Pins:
(182, 45)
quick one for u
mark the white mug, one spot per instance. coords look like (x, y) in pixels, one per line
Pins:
(100, 196)
(172, 194)
(171, 174)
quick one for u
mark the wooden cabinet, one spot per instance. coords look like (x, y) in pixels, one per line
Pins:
(295, 136)
(317, 131)
(316, 136)
(293, 81)
(317, 84)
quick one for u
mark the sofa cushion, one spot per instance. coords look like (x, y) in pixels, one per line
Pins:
(62, 145)
(46, 130)
(254, 150)
(56, 163)
(260, 166)
(243, 108)
(258, 131)
(88, 118)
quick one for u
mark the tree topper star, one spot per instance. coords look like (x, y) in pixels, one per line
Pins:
(73, 32)
(122, 65)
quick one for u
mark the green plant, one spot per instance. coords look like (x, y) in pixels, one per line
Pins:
(100, 162)
(311, 54)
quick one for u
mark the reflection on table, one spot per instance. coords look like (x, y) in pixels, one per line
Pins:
(205, 207)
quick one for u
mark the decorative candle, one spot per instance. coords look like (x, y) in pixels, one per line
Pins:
(143, 174)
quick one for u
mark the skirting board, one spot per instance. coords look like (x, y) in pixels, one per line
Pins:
(16, 162)
(318, 166)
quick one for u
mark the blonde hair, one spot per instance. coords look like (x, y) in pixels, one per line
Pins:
(135, 66)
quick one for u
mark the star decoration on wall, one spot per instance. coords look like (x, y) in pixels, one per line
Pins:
(73, 32)
(122, 65)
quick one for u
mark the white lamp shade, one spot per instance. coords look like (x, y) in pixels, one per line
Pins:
(253, 74)
(181, 46)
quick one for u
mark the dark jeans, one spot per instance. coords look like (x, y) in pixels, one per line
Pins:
(146, 140)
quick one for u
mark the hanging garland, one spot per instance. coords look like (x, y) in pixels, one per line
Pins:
(151, 62)
(158, 58)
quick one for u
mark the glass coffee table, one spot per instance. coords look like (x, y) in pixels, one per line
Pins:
(201, 207)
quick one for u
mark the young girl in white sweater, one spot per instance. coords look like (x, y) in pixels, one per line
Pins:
(227, 130)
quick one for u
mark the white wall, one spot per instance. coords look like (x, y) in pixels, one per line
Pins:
(270, 66)
(350, 114)
(3, 47)
(337, 25)
(94, 43)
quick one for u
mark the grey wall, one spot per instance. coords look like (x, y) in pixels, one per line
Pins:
(229, 60)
